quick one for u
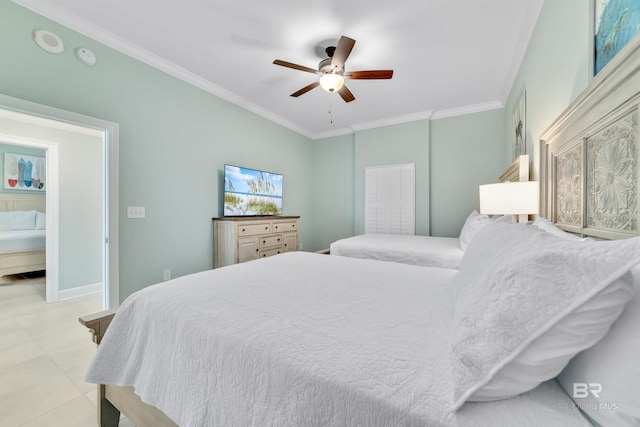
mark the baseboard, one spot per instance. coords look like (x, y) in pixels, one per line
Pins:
(80, 291)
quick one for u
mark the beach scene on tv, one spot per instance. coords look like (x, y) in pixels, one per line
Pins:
(251, 192)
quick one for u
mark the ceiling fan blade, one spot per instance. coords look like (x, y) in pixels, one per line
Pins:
(345, 44)
(295, 66)
(306, 89)
(346, 94)
(369, 75)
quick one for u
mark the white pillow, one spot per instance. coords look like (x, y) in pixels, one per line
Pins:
(611, 364)
(529, 301)
(472, 224)
(41, 221)
(510, 219)
(549, 227)
(17, 220)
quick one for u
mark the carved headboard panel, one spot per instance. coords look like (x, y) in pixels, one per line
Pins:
(589, 162)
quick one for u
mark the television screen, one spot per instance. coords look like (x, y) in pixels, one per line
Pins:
(250, 192)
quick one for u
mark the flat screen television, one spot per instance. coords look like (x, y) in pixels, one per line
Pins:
(251, 192)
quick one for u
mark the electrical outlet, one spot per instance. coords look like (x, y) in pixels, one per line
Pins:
(135, 212)
(167, 274)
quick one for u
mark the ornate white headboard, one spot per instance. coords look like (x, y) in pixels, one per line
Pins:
(589, 178)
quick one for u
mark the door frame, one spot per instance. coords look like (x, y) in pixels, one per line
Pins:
(110, 131)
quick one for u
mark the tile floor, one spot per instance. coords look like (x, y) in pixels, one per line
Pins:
(44, 354)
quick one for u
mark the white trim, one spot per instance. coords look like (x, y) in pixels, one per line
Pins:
(468, 109)
(522, 43)
(80, 291)
(425, 115)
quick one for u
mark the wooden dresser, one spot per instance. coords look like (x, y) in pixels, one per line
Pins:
(240, 239)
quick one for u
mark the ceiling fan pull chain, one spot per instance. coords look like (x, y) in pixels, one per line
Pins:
(331, 109)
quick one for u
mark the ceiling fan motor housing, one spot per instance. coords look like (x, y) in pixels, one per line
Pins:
(325, 67)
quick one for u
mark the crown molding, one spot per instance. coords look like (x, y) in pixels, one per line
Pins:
(468, 109)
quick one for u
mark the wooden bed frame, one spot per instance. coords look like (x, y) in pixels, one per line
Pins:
(610, 102)
(22, 261)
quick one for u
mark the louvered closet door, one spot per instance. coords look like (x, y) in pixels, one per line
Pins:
(389, 201)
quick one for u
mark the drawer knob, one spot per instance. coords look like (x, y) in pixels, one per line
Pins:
(264, 241)
(266, 228)
(264, 255)
(278, 239)
(276, 227)
(256, 250)
(243, 229)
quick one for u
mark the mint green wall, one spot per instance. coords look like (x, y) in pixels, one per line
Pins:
(174, 142)
(452, 156)
(391, 145)
(554, 71)
(16, 149)
(333, 191)
(466, 151)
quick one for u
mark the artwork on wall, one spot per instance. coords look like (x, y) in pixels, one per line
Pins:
(519, 127)
(24, 172)
(616, 23)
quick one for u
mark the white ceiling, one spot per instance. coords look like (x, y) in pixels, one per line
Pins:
(449, 57)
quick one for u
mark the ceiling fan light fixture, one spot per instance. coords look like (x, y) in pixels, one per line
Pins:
(331, 82)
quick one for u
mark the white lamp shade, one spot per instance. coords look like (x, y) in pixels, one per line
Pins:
(331, 82)
(510, 198)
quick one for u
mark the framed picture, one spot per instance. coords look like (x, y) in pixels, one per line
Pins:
(616, 22)
(519, 126)
(24, 172)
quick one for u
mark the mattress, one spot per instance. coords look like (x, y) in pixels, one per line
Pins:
(303, 339)
(427, 251)
(22, 240)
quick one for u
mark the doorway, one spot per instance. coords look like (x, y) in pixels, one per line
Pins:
(36, 125)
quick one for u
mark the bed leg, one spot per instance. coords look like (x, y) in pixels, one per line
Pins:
(108, 415)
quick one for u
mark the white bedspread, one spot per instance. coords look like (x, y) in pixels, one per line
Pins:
(426, 251)
(303, 339)
(22, 240)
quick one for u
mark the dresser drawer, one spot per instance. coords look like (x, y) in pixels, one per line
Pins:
(285, 226)
(266, 241)
(270, 252)
(252, 229)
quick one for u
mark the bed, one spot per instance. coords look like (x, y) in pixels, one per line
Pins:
(426, 251)
(22, 233)
(535, 328)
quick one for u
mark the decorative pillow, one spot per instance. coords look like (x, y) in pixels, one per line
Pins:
(549, 227)
(17, 220)
(529, 301)
(472, 224)
(603, 380)
(41, 221)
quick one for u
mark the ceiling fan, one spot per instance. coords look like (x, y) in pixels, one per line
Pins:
(332, 73)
